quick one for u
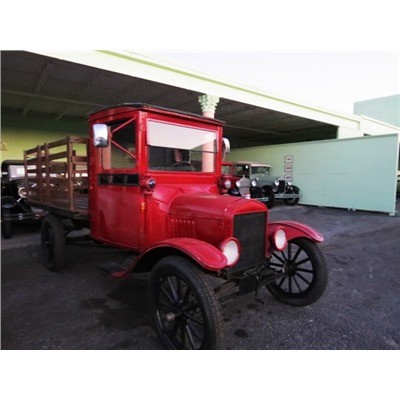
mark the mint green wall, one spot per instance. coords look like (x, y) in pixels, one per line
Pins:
(19, 133)
(357, 173)
(385, 109)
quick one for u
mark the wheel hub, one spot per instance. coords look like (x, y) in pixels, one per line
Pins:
(178, 312)
(289, 268)
(170, 317)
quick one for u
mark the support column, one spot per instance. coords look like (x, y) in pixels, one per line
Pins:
(208, 105)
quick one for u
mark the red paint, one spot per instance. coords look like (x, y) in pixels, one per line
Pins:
(185, 211)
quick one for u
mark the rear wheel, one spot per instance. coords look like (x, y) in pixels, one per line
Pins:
(184, 308)
(53, 243)
(305, 271)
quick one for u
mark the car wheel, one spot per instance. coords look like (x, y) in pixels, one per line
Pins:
(6, 223)
(305, 273)
(293, 202)
(53, 243)
(184, 307)
(271, 197)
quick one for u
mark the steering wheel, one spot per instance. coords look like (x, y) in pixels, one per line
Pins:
(183, 164)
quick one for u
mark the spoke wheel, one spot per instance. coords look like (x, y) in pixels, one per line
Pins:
(53, 243)
(185, 311)
(293, 202)
(305, 272)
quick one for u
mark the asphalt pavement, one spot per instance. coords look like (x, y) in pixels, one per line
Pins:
(82, 307)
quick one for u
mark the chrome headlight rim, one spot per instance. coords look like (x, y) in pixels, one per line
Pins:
(280, 239)
(230, 247)
(22, 192)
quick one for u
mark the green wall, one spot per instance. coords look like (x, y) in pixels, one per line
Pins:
(19, 133)
(385, 109)
(356, 173)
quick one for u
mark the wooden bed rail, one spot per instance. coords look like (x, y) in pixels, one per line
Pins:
(57, 176)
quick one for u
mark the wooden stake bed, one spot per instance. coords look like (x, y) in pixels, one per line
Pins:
(57, 178)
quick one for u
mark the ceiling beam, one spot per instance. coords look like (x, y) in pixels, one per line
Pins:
(45, 72)
(52, 98)
(79, 93)
(264, 131)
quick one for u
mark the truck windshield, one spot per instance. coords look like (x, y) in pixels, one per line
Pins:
(180, 148)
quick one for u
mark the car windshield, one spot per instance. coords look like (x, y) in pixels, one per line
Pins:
(16, 171)
(175, 147)
(260, 170)
(243, 170)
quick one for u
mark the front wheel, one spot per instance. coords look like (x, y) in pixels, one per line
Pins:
(305, 273)
(53, 243)
(184, 308)
(293, 202)
(267, 192)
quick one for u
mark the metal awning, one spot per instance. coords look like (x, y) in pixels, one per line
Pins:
(36, 83)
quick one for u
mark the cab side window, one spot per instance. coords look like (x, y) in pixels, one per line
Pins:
(122, 150)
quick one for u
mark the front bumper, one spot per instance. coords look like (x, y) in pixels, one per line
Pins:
(286, 196)
(23, 216)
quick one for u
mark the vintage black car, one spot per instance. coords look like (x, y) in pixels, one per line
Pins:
(257, 182)
(13, 195)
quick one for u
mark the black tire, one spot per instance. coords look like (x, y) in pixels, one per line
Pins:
(53, 243)
(6, 223)
(306, 275)
(184, 307)
(293, 202)
(270, 194)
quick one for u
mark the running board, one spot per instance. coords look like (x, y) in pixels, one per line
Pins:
(117, 269)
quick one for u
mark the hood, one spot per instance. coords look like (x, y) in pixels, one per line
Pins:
(212, 206)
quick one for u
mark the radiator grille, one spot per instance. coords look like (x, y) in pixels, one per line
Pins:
(249, 229)
(281, 186)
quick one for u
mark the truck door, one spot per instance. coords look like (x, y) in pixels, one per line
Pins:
(115, 201)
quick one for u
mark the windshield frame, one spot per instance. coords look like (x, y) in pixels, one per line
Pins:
(181, 147)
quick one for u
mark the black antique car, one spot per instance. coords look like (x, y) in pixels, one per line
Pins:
(259, 184)
(13, 195)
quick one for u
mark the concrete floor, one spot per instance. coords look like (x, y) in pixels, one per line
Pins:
(82, 307)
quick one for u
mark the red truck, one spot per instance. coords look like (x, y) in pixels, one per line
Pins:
(149, 180)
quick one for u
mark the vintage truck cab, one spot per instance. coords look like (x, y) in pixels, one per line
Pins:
(155, 187)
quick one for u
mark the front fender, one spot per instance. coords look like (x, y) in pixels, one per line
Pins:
(293, 230)
(8, 202)
(296, 229)
(204, 254)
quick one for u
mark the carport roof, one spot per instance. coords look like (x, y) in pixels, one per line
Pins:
(65, 85)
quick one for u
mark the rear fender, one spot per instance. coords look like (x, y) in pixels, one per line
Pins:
(204, 254)
(293, 230)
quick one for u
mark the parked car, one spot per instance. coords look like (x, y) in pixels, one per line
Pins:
(398, 183)
(257, 182)
(13, 194)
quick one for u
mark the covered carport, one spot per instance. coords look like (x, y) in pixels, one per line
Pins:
(35, 83)
(47, 94)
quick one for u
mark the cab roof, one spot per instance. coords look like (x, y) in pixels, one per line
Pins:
(104, 112)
